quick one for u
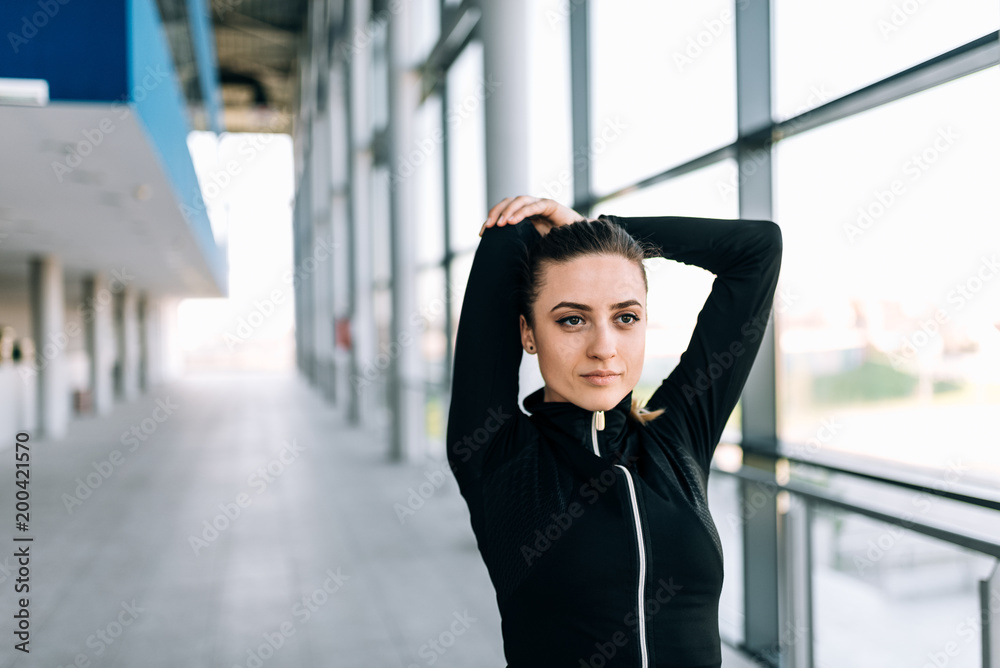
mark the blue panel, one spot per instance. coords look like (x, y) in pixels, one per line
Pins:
(208, 65)
(162, 109)
(78, 46)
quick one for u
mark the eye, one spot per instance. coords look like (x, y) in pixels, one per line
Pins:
(567, 318)
(634, 317)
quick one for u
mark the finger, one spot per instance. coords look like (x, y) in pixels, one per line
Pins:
(516, 204)
(528, 210)
(518, 209)
(495, 211)
(494, 214)
(511, 210)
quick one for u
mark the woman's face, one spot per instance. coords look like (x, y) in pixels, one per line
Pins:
(590, 316)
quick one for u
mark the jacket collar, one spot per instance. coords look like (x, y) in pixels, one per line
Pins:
(569, 424)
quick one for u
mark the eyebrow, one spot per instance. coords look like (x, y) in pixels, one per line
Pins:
(584, 307)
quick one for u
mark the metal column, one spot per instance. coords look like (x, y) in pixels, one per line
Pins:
(761, 538)
(406, 393)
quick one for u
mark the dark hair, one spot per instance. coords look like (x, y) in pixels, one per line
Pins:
(568, 242)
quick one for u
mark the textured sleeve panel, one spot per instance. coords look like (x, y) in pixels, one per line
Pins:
(487, 357)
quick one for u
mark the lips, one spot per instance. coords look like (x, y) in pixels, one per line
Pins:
(602, 378)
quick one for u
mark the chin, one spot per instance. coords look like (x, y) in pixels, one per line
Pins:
(607, 396)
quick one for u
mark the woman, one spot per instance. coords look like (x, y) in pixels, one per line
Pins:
(590, 513)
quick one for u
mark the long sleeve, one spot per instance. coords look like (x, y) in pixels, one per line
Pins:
(487, 355)
(745, 255)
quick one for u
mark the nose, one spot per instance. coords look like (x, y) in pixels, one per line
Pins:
(603, 344)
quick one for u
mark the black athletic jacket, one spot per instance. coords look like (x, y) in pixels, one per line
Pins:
(595, 529)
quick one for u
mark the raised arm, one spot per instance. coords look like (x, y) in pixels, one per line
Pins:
(487, 355)
(745, 255)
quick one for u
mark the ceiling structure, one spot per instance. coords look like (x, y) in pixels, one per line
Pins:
(257, 46)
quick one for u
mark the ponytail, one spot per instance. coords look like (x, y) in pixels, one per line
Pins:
(641, 415)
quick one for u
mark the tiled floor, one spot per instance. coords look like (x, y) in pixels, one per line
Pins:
(316, 569)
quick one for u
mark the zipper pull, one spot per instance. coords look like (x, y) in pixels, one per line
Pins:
(599, 417)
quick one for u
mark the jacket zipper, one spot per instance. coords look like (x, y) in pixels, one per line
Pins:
(597, 424)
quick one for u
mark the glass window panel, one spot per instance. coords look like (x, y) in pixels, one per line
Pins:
(466, 128)
(430, 330)
(379, 87)
(425, 27)
(425, 163)
(910, 504)
(677, 291)
(663, 86)
(724, 503)
(550, 126)
(812, 65)
(888, 597)
(710, 192)
(379, 386)
(888, 336)
(432, 299)
(381, 249)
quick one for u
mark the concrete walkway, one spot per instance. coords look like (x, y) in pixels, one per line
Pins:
(303, 560)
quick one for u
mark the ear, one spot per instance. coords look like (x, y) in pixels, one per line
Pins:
(527, 337)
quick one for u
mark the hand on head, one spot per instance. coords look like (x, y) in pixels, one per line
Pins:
(544, 213)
